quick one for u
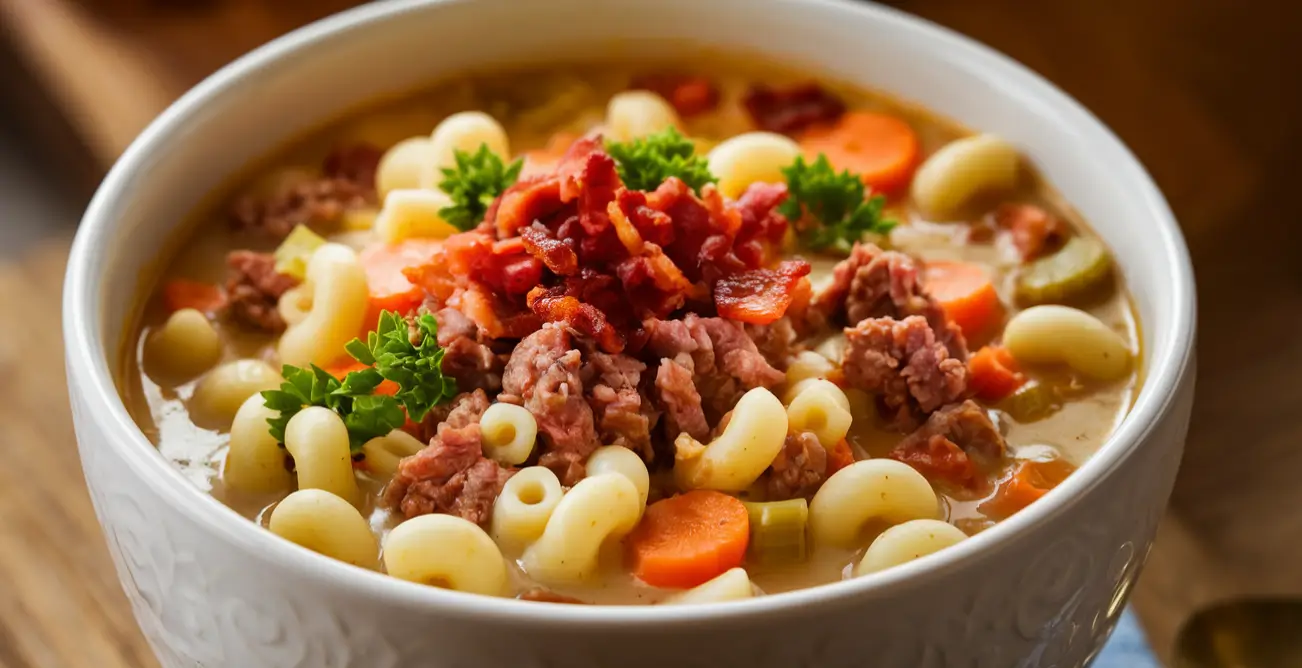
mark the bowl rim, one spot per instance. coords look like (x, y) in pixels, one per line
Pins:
(90, 363)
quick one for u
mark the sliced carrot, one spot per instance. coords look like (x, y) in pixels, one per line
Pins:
(881, 149)
(993, 373)
(389, 288)
(965, 293)
(1030, 481)
(839, 457)
(344, 368)
(182, 293)
(688, 539)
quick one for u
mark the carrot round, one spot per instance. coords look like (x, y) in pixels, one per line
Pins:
(839, 457)
(389, 288)
(881, 149)
(182, 293)
(1030, 481)
(993, 373)
(688, 539)
(966, 294)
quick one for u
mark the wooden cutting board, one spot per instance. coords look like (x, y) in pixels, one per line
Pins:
(1196, 89)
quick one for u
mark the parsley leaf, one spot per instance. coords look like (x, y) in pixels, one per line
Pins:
(365, 415)
(838, 204)
(389, 354)
(645, 163)
(415, 367)
(474, 183)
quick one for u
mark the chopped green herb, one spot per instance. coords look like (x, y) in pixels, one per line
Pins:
(837, 204)
(645, 163)
(390, 355)
(474, 183)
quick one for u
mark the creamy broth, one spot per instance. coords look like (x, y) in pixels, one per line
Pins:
(533, 106)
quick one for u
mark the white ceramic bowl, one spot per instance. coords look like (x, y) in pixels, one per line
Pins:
(211, 589)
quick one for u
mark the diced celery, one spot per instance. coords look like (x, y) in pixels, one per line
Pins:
(1033, 401)
(777, 531)
(1078, 267)
(295, 250)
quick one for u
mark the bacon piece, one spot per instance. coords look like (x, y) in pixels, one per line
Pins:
(557, 254)
(690, 95)
(553, 305)
(759, 296)
(1034, 231)
(790, 110)
(526, 201)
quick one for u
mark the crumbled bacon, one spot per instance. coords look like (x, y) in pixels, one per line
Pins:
(690, 95)
(759, 296)
(1034, 231)
(790, 110)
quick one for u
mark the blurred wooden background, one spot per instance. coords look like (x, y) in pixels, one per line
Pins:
(1198, 88)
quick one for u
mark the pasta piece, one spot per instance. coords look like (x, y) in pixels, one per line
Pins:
(185, 346)
(318, 441)
(402, 165)
(526, 503)
(733, 585)
(751, 157)
(638, 113)
(255, 462)
(963, 168)
(465, 131)
(384, 452)
(873, 489)
(336, 290)
(413, 214)
(220, 393)
(325, 524)
(621, 460)
(734, 460)
(822, 409)
(446, 551)
(599, 509)
(905, 542)
(808, 364)
(509, 433)
(1051, 333)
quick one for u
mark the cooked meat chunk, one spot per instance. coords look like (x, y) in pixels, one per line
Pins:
(466, 357)
(348, 183)
(677, 396)
(623, 416)
(799, 468)
(724, 361)
(775, 341)
(253, 290)
(902, 362)
(945, 447)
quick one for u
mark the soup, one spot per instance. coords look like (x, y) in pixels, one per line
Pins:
(630, 334)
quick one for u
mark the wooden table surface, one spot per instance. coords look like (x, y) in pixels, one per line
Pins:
(1197, 89)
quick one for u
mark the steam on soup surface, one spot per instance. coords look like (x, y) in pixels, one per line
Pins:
(635, 335)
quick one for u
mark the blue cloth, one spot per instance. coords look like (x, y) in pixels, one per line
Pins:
(1127, 648)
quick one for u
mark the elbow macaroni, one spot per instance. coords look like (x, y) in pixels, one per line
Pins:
(753, 157)
(527, 501)
(401, 166)
(446, 551)
(638, 113)
(184, 347)
(822, 409)
(625, 462)
(1053, 333)
(873, 489)
(325, 524)
(219, 394)
(413, 214)
(336, 286)
(908, 541)
(598, 509)
(509, 433)
(734, 460)
(255, 462)
(465, 131)
(383, 453)
(963, 168)
(732, 585)
(318, 441)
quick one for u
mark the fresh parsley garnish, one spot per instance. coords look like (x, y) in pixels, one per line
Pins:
(391, 355)
(837, 204)
(645, 163)
(474, 183)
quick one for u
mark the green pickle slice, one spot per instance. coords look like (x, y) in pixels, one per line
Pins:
(1079, 266)
(777, 531)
